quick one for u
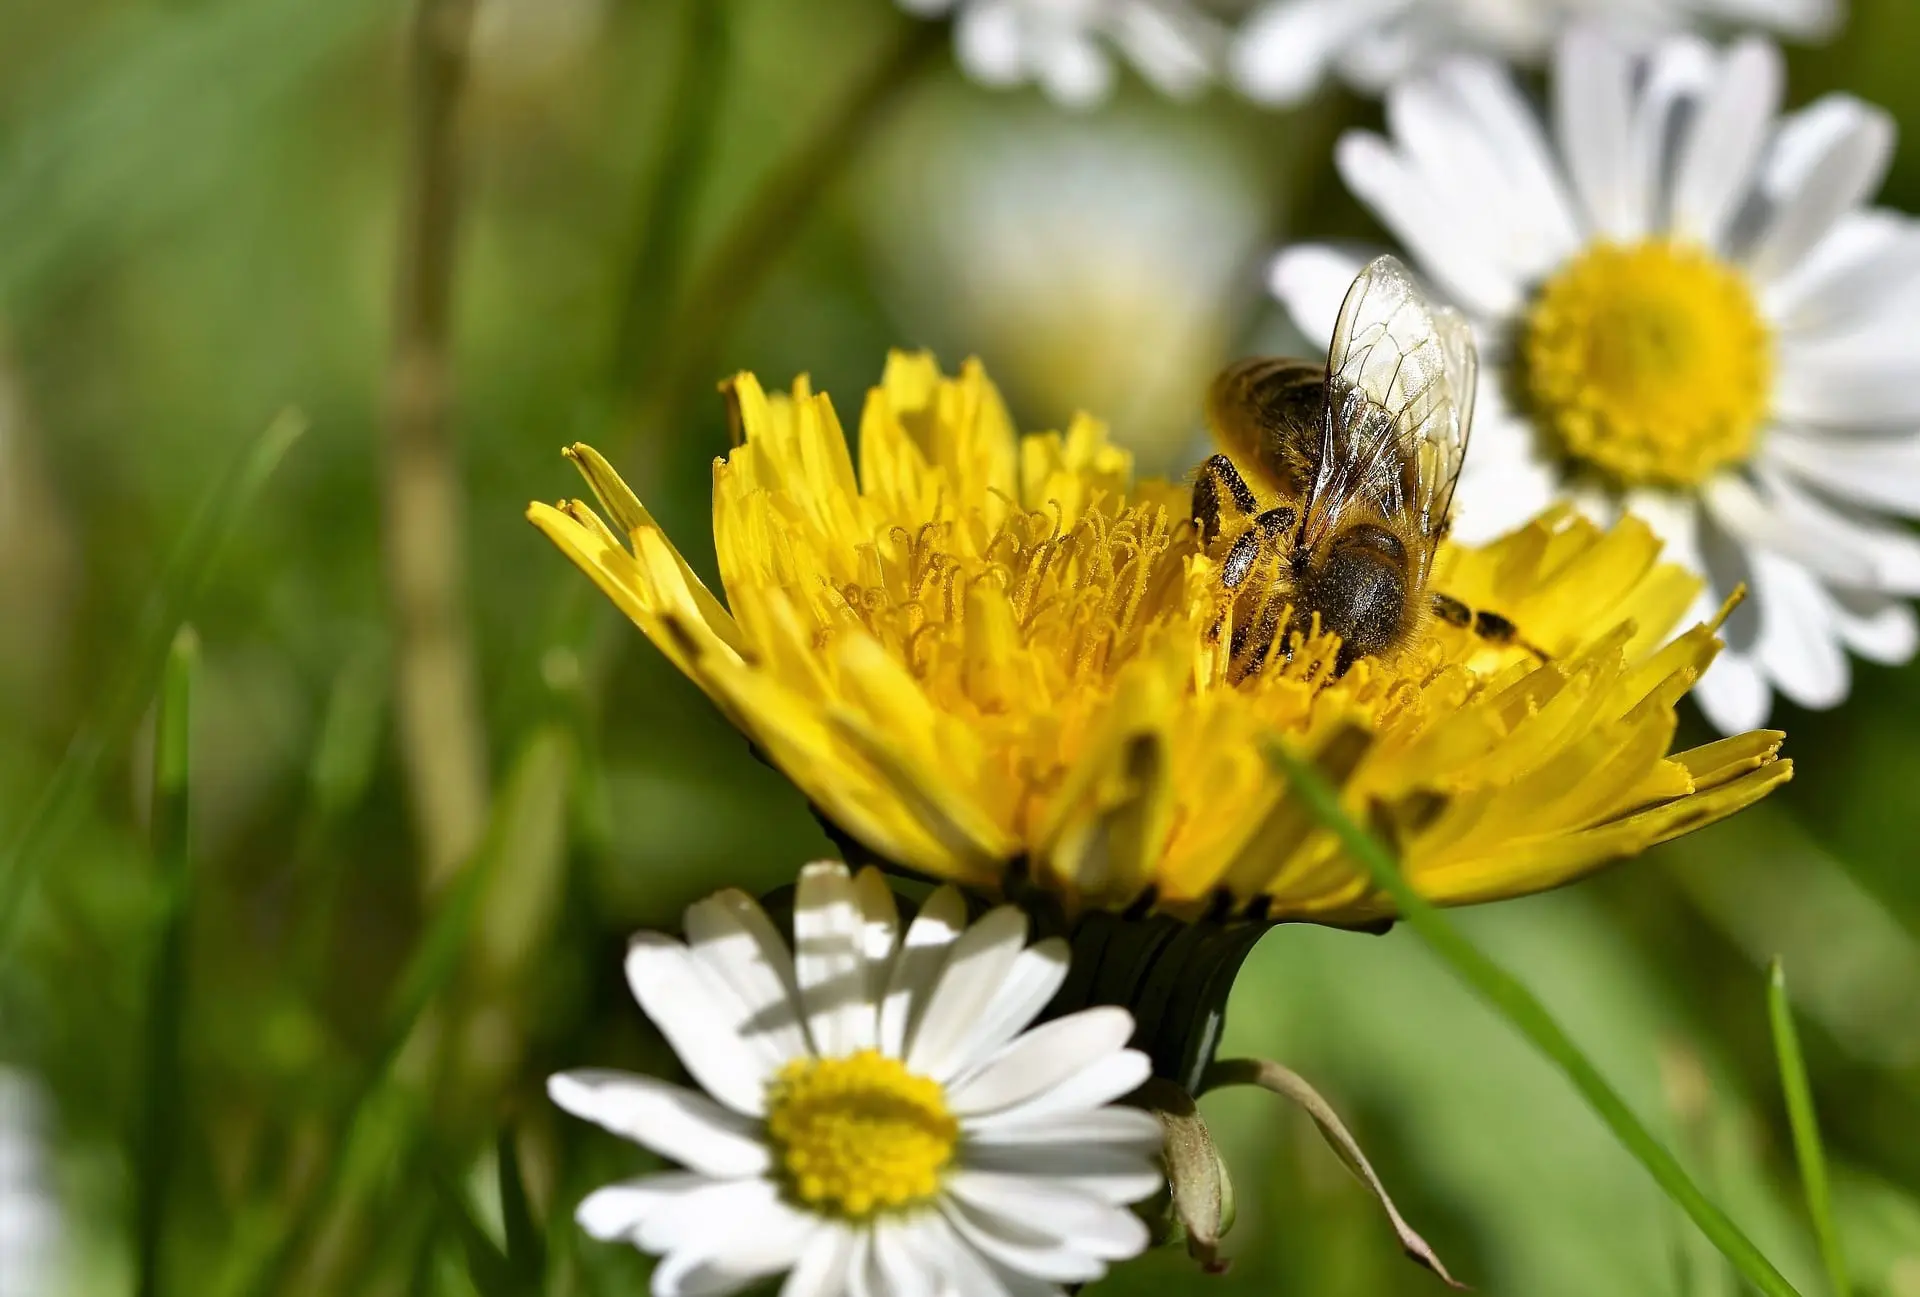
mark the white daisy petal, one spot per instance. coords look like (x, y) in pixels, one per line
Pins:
(988, 42)
(1103, 1173)
(1725, 563)
(1878, 628)
(1130, 1130)
(1734, 694)
(727, 1237)
(823, 1265)
(1758, 521)
(1869, 261)
(901, 1261)
(1282, 49)
(1110, 1078)
(1881, 473)
(712, 1216)
(917, 966)
(1839, 386)
(1018, 1246)
(1117, 1175)
(1074, 70)
(1440, 240)
(967, 1273)
(701, 1019)
(1466, 177)
(616, 1212)
(1502, 496)
(678, 1124)
(975, 968)
(1592, 109)
(1854, 144)
(737, 945)
(1037, 973)
(830, 960)
(1037, 1207)
(1724, 145)
(1311, 281)
(1798, 642)
(1674, 518)
(1545, 229)
(1845, 543)
(1043, 1058)
(1677, 75)
(1172, 47)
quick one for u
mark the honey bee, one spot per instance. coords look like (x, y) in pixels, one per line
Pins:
(1363, 453)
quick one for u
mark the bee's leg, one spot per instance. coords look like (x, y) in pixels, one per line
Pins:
(1492, 626)
(1489, 626)
(1219, 480)
(1267, 527)
(1247, 651)
(1451, 611)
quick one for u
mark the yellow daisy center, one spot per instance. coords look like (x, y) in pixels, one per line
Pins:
(859, 1134)
(1650, 362)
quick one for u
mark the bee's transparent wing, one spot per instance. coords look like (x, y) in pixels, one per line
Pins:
(1400, 384)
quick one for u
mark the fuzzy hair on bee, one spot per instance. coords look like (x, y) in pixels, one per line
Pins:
(1353, 466)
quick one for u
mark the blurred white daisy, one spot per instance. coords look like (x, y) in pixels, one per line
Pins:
(1091, 265)
(1685, 309)
(1287, 48)
(30, 1226)
(879, 1121)
(1062, 44)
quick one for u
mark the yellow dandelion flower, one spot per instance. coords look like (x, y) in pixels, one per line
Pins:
(987, 657)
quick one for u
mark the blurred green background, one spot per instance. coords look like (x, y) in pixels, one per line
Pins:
(199, 207)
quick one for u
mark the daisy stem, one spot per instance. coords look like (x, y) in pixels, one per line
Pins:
(185, 577)
(436, 696)
(1530, 1017)
(1806, 1128)
(156, 1135)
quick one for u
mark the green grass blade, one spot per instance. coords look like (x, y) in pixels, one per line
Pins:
(526, 1245)
(705, 68)
(1806, 1129)
(1530, 1017)
(538, 781)
(187, 573)
(156, 1141)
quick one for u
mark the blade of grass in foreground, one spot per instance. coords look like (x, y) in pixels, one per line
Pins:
(1521, 1008)
(188, 569)
(1806, 1129)
(166, 994)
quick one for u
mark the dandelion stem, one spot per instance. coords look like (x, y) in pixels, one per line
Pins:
(1527, 1015)
(157, 1135)
(1806, 1129)
(442, 735)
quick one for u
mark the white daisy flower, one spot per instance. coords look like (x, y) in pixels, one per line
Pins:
(879, 1122)
(1287, 48)
(1685, 309)
(1062, 44)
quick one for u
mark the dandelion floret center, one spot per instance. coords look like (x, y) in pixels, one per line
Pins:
(1649, 362)
(859, 1134)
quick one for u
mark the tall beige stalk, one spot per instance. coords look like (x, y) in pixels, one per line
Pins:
(441, 731)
